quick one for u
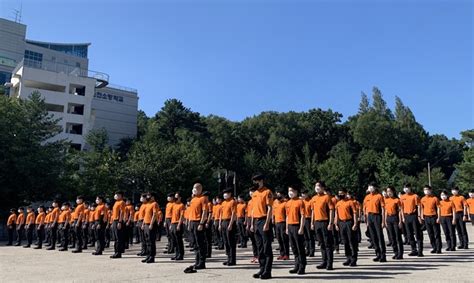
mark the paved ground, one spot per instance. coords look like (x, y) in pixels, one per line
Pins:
(27, 265)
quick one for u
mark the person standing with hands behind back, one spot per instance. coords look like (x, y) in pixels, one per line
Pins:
(295, 222)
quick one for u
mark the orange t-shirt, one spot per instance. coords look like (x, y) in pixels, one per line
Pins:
(30, 218)
(410, 203)
(177, 211)
(47, 219)
(11, 219)
(141, 212)
(216, 211)
(169, 205)
(429, 205)
(446, 208)
(307, 208)
(20, 220)
(129, 212)
(54, 214)
(321, 206)
(241, 210)
(40, 218)
(249, 208)
(136, 216)
(119, 207)
(79, 211)
(90, 219)
(373, 203)
(150, 208)
(279, 211)
(262, 198)
(345, 210)
(470, 204)
(459, 202)
(197, 206)
(227, 207)
(86, 215)
(392, 206)
(295, 208)
(101, 210)
(64, 215)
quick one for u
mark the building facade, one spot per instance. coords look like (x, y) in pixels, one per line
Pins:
(83, 99)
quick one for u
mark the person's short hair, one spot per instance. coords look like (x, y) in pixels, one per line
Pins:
(29, 207)
(42, 207)
(252, 189)
(94, 204)
(228, 191)
(295, 187)
(444, 192)
(119, 193)
(21, 208)
(321, 183)
(171, 195)
(373, 184)
(407, 185)
(81, 197)
(456, 188)
(258, 177)
(66, 204)
(427, 187)
(100, 198)
(342, 190)
(56, 201)
(12, 210)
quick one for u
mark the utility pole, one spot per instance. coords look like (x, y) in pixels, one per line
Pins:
(429, 174)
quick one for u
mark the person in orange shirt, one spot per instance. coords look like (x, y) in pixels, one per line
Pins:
(150, 226)
(345, 222)
(128, 219)
(177, 227)
(374, 211)
(47, 227)
(470, 205)
(447, 219)
(108, 226)
(429, 214)
(227, 226)
(294, 221)
(118, 218)
(412, 220)
(20, 225)
(309, 237)
(141, 232)
(461, 216)
(169, 246)
(197, 221)
(53, 225)
(63, 227)
(248, 221)
(322, 221)
(262, 201)
(11, 226)
(279, 220)
(30, 226)
(242, 232)
(359, 214)
(91, 225)
(208, 227)
(214, 214)
(77, 218)
(39, 221)
(393, 221)
(100, 220)
(85, 226)
(136, 228)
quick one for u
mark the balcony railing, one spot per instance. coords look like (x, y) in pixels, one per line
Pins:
(102, 79)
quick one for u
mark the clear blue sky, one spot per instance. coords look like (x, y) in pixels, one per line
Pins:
(238, 58)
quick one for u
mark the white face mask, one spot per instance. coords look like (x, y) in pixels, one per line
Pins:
(317, 189)
(63, 208)
(142, 199)
(78, 201)
(384, 194)
(406, 190)
(169, 199)
(454, 192)
(250, 194)
(97, 201)
(471, 195)
(390, 194)
(371, 189)
(115, 197)
(444, 197)
(291, 194)
(427, 192)
(195, 191)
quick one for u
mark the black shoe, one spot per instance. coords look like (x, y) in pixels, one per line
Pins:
(389, 244)
(432, 251)
(265, 276)
(448, 249)
(145, 260)
(301, 271)
(140, 254)
(438, 252)
(399, 257)
(347, 262)
(329, 267)
(311, 254)
(394, 257)
(76, 251)
(377, 258)
(190, 269)
(63, 249)
(460, 247)
(37, 248)
(370, 247)
(17, 244)
(116, 256)
(27, 246)
(50, 249)
(225, 263)
(420, 254)
(256, 275)
(97, 253)
(150, 260)
(354, 263)
(414, 253)
(322, 266)
(293, 271)
(383, 259)
(201, 266)
(231, 264)
(9, 244)
(179, 258)
(173, 258)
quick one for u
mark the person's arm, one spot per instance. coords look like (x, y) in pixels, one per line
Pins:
(312, 218)
(181, 218)
(336, 217)
(232, 218)
(438, 219)
(269, 218)
(153, 216)
(356, 221)
(203, 216)
(465, 210)
(302, 220)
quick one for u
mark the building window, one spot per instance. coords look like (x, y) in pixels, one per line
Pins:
(33, 59)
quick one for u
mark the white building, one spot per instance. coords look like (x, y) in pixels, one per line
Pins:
(83, 99)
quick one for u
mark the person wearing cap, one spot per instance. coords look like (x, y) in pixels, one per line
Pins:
(295, 218)
(177, 227)
(169, 246)
(197, 220)
(30, 226)
(262, 211)
(228, 227)
(279, 220)
(11, 226)
(240, 213)
(461, 216)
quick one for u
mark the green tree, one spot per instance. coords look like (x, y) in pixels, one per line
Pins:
(307, 167)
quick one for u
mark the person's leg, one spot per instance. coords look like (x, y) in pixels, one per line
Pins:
(267, 251)
(258, 226)
(437, 234)
(464, 236)
(419, 236)
(180, 243)
(373, 236)
(429, 224)
(410, 227)
(233, 244)
(380, 237)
